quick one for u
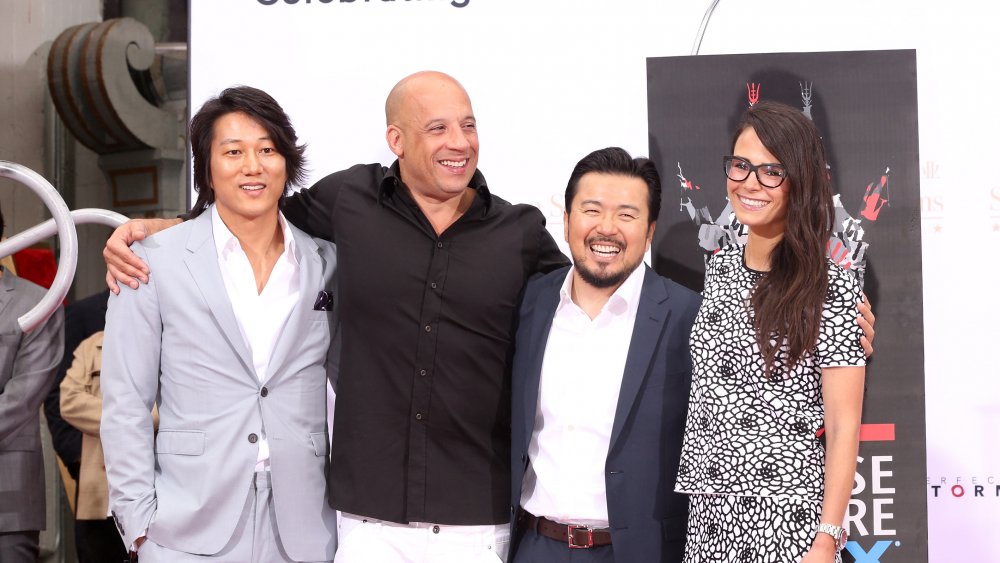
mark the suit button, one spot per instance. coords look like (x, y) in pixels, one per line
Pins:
(252, 438)
(263, 392)
(522, 457)
(420, 416)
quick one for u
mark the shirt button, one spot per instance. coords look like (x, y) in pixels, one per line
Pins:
(252, 438)
(263, 392)
(427, 328)
(436, 529)
(423, 372)
(434, 285)
(420, 416)
(440, 245)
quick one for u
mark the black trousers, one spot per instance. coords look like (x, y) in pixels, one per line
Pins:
(98, 541)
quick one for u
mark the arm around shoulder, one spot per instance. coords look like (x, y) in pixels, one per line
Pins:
(549, 256)
(313, 209)
(123, 265)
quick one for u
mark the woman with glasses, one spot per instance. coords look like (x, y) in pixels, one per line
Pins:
(778, 364)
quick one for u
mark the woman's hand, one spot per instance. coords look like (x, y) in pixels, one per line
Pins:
(823, 550)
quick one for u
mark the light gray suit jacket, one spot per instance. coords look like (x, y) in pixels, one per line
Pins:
(28, 364)
(176, 342)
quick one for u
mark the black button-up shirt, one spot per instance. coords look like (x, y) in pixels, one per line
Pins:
(421, 430)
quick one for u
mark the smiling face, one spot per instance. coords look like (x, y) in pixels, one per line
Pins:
(761, 209)
(608, 228)
(432, 131)
(247, 172)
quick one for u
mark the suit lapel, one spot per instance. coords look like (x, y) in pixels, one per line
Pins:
(310, 276)
(203, 264)
(544, 312)
(6, 290)
(650, 320)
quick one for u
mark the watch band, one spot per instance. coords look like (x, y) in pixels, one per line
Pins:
(839, 534)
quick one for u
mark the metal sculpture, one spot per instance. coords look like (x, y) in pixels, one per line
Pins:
(63, 223)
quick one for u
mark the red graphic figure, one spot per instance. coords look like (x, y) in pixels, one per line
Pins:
(876, 196)
(753, 93)
(839, 252)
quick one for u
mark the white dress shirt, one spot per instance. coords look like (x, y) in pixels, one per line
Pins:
(577, 398)
(261, 317)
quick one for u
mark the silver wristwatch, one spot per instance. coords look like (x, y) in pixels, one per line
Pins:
(839, 534)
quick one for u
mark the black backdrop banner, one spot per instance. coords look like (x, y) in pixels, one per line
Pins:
(865, 106)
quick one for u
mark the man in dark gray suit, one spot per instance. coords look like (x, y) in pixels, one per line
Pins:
(28, 364)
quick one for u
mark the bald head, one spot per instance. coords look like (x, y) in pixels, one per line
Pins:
(415, 86)
(432, 131)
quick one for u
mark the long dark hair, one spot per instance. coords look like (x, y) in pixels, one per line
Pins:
(263, 109)
(788, 300)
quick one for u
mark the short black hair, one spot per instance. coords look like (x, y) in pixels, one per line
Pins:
(262, 108)
(616, 160)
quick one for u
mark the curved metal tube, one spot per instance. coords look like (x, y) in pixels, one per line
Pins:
(67, 240)
(696, 48)
(88, 216)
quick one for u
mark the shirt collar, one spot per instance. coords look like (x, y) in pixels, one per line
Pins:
(392, 180)
(624, 299)
(226, 242)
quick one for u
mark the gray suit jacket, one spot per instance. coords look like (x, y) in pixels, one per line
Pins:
(176, 342)
(28, 365)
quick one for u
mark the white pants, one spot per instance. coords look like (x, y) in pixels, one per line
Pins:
(367, 540)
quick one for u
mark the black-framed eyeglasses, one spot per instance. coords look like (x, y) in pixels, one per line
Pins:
(769, 174)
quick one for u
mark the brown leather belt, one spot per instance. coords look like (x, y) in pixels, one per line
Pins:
(576, 537)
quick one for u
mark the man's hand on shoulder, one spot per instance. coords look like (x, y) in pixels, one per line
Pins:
(123, 265)
(866, 320)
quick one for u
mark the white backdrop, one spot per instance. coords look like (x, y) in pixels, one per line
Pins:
(552, 80)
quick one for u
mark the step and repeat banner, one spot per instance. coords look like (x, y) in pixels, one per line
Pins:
(865, 106)
(902, 93)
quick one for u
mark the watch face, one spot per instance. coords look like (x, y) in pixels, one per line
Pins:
(839, 534)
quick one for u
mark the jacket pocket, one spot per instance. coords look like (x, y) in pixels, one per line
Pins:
(180, 442)
(21, 443)
(319, 443)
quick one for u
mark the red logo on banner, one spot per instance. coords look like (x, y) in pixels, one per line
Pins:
(753, 93)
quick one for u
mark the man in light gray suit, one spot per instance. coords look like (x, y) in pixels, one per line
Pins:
(230, 339)
(28, 363)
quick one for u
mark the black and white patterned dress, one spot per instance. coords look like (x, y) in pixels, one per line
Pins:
(751, 460)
